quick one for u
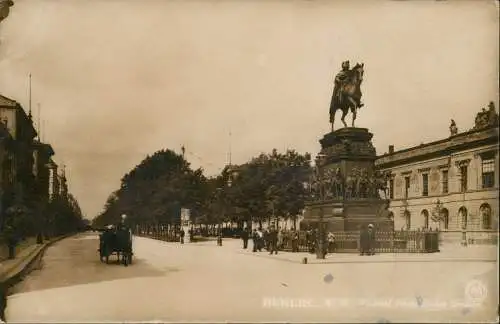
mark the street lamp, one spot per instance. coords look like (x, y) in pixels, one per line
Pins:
(320, 251)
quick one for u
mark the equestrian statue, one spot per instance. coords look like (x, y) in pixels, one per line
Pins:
(347, 92)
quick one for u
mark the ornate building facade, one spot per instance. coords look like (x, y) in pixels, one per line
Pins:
(26, 163)
(450, 184)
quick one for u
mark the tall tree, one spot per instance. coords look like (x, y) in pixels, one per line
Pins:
(155, 190)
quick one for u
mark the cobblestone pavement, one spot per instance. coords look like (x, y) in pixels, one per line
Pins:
(204, 282)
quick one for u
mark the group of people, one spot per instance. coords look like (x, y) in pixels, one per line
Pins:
(273, 240)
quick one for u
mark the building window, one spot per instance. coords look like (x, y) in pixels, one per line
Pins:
(463, 179)
(391, 188)
(408, 219)
(488, 169)
(425, 216)
(425, 184)
(445, 218)
(462, 214)
(485, 212)
(445, 181)
(407, 186)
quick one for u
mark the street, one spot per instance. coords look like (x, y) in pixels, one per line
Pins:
(204, 282)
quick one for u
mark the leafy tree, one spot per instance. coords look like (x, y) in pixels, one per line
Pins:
(271, 184)
(155, 190)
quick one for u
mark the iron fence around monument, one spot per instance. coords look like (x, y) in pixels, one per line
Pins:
(385, 242)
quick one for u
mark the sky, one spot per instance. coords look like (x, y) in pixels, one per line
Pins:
(119, 79)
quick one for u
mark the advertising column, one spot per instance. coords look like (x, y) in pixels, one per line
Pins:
(185, 222)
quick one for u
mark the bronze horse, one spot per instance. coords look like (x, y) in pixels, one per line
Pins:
(350, 94)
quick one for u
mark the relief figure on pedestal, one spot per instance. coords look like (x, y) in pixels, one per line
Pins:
(314, 189)
(351, 184)
(327, 187)
(338, 184)
(380, 180)
(363, 184)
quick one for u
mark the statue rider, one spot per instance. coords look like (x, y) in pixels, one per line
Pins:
(341, 80)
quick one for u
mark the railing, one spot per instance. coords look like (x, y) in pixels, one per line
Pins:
(158, 234)
(385, 242)
(344, 242)
(171, 234)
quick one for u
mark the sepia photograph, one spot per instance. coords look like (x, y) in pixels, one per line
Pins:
(249, 161)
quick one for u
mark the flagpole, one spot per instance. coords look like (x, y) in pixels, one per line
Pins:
(230, 153)
(39, 124)
(29, 114)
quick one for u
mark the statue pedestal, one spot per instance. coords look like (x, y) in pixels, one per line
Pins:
(348, 149)
(348, 215)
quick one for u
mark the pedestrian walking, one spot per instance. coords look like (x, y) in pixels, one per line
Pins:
(331, 242)
(12, 240)
(363, 241)
(273, 241)
(219, 238)
(182, 233)
(295, 241)
(267, 242)
(280, 239)
(371, 240)
(260, 240)
(190, 235)
(255, 240)
(244, 235)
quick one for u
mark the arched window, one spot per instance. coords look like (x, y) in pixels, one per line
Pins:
(462, 214)
(408, 219)
(425, 216)
(445, 218)
(485, 212)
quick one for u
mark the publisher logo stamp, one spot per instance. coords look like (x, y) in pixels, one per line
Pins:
(475, 292)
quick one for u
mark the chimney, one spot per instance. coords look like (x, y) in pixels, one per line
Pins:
(391, 149)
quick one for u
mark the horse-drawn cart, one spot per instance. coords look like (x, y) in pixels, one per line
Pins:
(119, 242)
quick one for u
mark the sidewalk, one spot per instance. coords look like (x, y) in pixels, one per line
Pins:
(11, 270)
(447, 254)
(4, 250)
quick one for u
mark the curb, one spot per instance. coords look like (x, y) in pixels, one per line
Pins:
(333, 260)
(25, 265)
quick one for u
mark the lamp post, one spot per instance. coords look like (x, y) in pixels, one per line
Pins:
(320, 251)
(221, 192)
